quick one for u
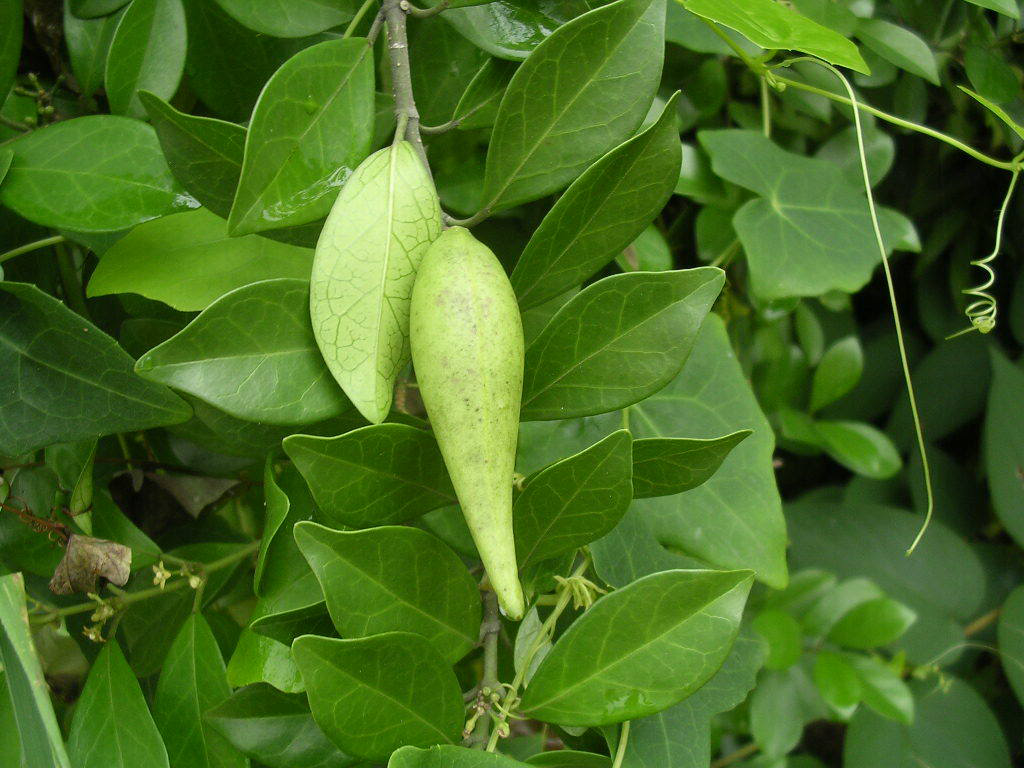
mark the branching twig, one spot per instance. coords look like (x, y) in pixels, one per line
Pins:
(401, 79)
(424, 13)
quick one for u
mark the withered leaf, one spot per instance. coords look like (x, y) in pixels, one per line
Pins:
(85, 560)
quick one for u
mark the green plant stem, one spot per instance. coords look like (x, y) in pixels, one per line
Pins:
(735, 757)
(766, 109)
(904, 361)
(1007, 165)
(71, 280)
(352, 25)
(490, 629)
(744, 56)
(546, 630)
(620, 751)
(424, 13)
(33, 246)
(14, 125)
(145, 594)
(406, 114)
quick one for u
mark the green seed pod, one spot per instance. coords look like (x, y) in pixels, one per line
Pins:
(366, 260)
(467, 347)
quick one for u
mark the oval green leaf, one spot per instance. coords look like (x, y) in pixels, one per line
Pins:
(585, 89)
(276, 729)
(574, 501)
(88, 41)
(664, 466)
(394, 578)
(381, 225)
(373, 695)
(311, 126)
(147, 52)
(640, 649)
(616, 342)
(204, 154)
(82, 383)
(387, 473)
(252, 354)
(192, 680)
(188, 261)
(112, 727)
(601, 213)
(289, 18)
(99, 173)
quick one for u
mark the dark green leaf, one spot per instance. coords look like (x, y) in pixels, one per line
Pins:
(394, 579)
(88, 41)
(276, 729)
(261, 659)
(188, 261)
(601, 213)
(478, 106)
(899, 46)
(953, 728)
(574, 501)
(441, 62)
(227, 64)
(1004, 444)
(872, 624)
(204, 154)
(854, 539)
(810, 231)
(647, 253)
(449, 757)
(41, 742)
(1011, 640)
(640, 649)
(93, 174)
(782, 634)
(373, 695)
(773, 26)
(91, 9)
(289, 18)
(387, 473)
(584, 90)
(680, 736)
(75, 382)
(10, 43)
(664, 466)
(837, 373)
(512, 30)
(616, 342)
(73, 465)
(146, 53)
(112, 727)
(859, 447)
(776, 715)
(192, 681)
(837, 682)
(311, 126)
(883, 689)
(252, 354)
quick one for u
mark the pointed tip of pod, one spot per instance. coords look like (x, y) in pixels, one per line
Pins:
(510, 600)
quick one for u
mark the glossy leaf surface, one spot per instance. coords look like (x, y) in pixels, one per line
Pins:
(311, 126)
(649, 322)
(373, 695)
(252, 354)
(98, 173)
(76, 382)
(601, 213)
(376, 475)
(289, 18)
(574, 501)
(640, 649)
(606, 62)
(189, 260)
(664, 466)
(394, 579)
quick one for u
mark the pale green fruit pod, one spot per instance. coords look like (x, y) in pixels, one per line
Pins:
(467, 349)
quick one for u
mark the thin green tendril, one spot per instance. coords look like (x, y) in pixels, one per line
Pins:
(982, 311)
(925, 468)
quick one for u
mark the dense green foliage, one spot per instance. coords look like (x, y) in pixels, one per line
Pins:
(229, 533)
